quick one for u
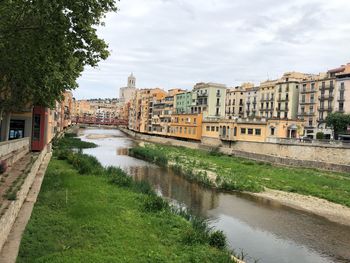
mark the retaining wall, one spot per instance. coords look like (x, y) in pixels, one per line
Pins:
(9, 217)
(12, 151)
(331, 157)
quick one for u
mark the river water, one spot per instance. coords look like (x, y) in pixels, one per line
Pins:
(262, 229)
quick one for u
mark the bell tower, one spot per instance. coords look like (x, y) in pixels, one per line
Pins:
(131, 81)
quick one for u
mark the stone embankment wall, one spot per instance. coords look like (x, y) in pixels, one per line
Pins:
(329, 157)
(12, 151)
(9, 217)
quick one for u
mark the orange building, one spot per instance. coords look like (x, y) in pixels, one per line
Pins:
(187, 126)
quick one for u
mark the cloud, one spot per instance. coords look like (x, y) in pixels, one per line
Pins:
(176, 43)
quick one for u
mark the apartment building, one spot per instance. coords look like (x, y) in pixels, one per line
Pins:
(183, 102)
(342, 103)
(209, 99)
(267, 98)
(235, 102)
(287, 95)
(252, 102)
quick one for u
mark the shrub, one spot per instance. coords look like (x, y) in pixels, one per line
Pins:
(215, 152)
(320, 136)
(143, 187)
(154, 203)
(218, 239)
(3, 167)
(119, 177)
(191, 237)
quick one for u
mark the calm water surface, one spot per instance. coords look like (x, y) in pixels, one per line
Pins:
(263, 229)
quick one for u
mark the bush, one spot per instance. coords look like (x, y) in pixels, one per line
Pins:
(320, 136)
(3, 167)
(218, 239)
(154, 203)
(149, 154)
(192, 236)
(143, 187)
(119, 177)
(215, 152)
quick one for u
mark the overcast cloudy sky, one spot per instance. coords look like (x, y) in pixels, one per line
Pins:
(176, 43)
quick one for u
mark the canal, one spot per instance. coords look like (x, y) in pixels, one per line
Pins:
(262, 229)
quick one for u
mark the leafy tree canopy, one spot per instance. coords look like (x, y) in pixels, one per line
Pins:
(44, 46)
(338, 121)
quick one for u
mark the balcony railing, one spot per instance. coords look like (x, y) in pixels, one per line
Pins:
(280, 109)
(341, 98)
(326, 97)
(324, 108)
(304, 91)
(309, 113)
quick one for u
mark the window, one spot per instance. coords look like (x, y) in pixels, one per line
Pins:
(217, 128)
(272, 131)
(208, 128)
(242, 130)
(250, 131)
(257, 131)
(195, 121)
(212, 128)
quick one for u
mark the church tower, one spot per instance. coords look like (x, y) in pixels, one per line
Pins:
(131, 81)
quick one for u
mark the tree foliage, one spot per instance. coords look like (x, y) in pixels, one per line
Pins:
(338, 121)
(44, 47)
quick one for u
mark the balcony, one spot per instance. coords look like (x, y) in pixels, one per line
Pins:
(326, 97)
(307, 102)
(283, 99)
(324, 108)
(310, 113)
(267, 99)
(280, 109)
(203, 95)
(304, 91)
(327, 87)
(341, 98)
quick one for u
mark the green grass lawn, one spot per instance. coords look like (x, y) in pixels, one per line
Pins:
(85, 218)
(245, 175)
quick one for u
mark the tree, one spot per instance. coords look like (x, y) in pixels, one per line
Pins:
(44, 47)
(338, 121)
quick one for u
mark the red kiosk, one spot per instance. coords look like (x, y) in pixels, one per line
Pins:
(38, 131)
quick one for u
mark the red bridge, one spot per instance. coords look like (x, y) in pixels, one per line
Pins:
(100, 121)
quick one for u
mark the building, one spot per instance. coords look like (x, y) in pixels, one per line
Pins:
(186, 126)
(287, 95)
(342, 103)
(235, 102)
(183, 102)
(209, 99)
(252, 102)
(126, 93)
(267, 98)
(219, 132)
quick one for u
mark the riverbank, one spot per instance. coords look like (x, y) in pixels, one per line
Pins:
(323, 193)
(88, 213)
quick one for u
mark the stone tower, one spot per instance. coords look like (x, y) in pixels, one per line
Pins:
(131, 81)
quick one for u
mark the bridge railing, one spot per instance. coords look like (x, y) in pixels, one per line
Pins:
(100, 121)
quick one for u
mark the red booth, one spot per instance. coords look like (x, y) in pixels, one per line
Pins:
(38, 131)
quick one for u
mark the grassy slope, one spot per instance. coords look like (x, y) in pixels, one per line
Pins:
(242, 174)
(102, 222)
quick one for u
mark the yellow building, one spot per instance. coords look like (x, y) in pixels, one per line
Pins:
(186, 126)
(253, 130)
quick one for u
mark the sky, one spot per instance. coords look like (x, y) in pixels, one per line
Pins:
(177, 43)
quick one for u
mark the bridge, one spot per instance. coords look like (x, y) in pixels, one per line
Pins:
(90, 120)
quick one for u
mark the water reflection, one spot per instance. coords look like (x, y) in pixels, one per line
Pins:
(264, 229)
